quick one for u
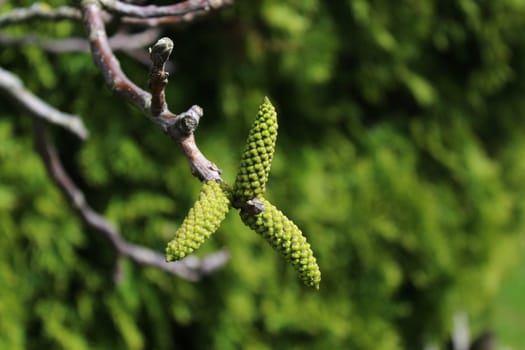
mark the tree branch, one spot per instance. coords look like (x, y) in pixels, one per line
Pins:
(179, 127)
(118, 42)
(107, 62)
(12, 86)
(39, 11)
(158, 77)
(179, 9)
(191, 268)
(164, 21)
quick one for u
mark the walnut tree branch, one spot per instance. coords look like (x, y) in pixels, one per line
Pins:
(118, 42)
(164, 21)
(173, 20)
(106, 60)
(11, 86)
(38, 11)
(179, 127)
(158, 77)
(191, 268)
(148, 11)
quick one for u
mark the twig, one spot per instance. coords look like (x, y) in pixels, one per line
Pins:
(174, 20)
(191, 268)
(158, 77)
(164, 21)
(179, 9)
(11, 86)
(119, 41)
(54, 46)
(39, 11)
(179, 127)
(108, 63)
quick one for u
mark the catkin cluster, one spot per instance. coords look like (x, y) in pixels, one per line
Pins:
(257, 157)
(215, 200)
(201, 222)
(286, 238)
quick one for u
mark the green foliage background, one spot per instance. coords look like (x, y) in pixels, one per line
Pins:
(400, 155)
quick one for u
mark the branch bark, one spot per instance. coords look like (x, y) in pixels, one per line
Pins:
(107, 62)
(191, 268)
(118, 42)
(164, 21)
(12, 87)
(149, 11)
(39, 11)
(179, 127)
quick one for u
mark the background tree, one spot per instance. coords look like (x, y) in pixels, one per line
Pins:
(399, 154)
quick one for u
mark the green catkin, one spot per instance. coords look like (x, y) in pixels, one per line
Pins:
(286, 238)
(258, 154)
(202, 221)
(215, 200)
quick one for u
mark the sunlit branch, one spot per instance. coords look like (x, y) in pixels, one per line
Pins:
(148, 11)
(12, 87)
(191, 268)
(164, 21)
(182, 127)
(39, 11)
(107, 62)
(179, 127)
(118, 42)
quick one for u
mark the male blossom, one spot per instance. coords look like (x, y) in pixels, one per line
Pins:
(216, 199)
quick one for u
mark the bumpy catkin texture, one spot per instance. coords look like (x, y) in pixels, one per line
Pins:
(286, 238)
(201, 222)
(258, 154)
